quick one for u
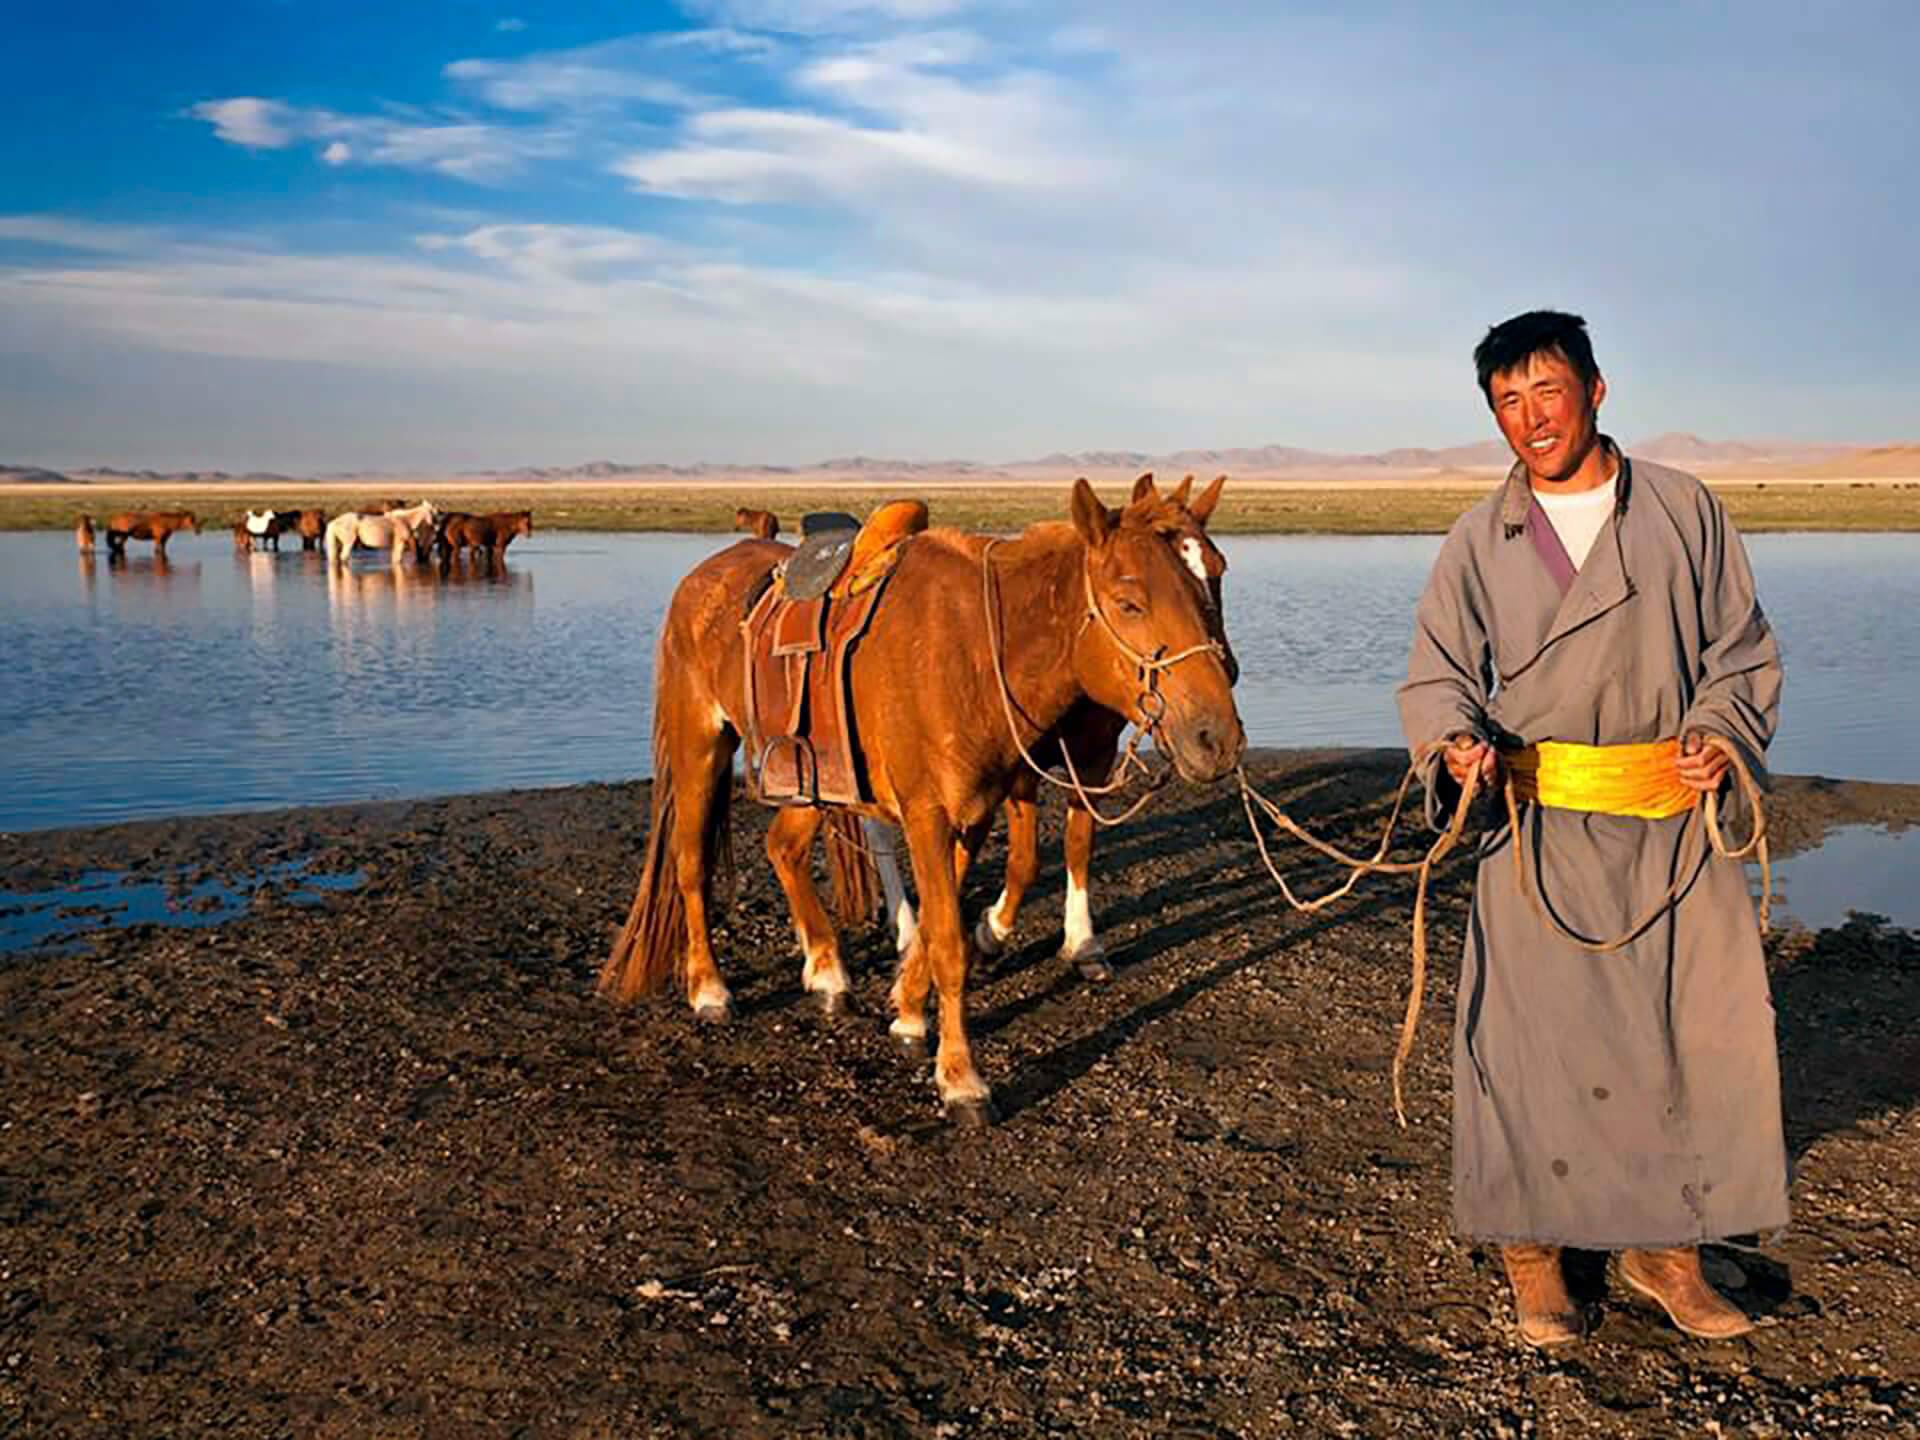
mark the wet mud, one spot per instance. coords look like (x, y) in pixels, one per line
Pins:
(380, 1162)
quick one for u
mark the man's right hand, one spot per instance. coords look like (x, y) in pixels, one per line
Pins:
(1468, 755)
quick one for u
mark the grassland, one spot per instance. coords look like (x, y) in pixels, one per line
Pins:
(1252, 508)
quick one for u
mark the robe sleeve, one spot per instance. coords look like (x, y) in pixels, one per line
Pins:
(1737, 688)
(1450, 669)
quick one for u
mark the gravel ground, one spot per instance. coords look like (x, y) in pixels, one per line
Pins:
(385, 1165)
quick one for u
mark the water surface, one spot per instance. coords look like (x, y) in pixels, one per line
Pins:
(224, 681)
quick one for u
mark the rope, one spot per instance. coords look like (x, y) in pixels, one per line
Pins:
(1703, 827)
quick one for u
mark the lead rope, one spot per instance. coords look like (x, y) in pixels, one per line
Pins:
(1706, 818)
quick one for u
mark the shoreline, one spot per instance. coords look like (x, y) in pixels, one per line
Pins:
(1251, 505)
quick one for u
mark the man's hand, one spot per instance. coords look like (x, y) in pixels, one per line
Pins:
(1699, 767)
(1467, 755)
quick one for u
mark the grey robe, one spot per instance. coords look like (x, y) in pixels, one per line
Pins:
(1630, 1098)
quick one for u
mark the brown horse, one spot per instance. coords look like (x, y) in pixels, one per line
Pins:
(1099, 610)
(154, 525)
(492, 533)
(83, 534)
(1089, 737)
(763, 523)
(312, 526)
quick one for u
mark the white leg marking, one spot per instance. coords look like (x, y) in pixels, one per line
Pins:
(883, 839)
(1079, 920)
(712, 996)
(822, 971)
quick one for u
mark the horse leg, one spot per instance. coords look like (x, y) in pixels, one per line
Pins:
(881, 839)
(790, 848)
(702, 777)
(1023, 862)
(943, 951)
(1080, 945)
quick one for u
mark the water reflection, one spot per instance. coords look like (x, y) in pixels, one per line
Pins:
(1855, 868)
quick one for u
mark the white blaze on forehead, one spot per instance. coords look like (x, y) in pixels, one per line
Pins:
(1195, 557)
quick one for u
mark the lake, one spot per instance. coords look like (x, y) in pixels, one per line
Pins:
(224, 680)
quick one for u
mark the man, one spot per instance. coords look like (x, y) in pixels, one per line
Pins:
(1625, 1100)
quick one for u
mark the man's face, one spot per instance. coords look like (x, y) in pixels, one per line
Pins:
(1547, 414)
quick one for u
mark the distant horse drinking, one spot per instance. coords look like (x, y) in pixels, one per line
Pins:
(268, 526)
(393, 531)
(492, 533)
(312, 526)
(1101, 609)
(154, 525)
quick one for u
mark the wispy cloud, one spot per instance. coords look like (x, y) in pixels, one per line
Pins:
(510, 25)
(592, 78)
(466, 150)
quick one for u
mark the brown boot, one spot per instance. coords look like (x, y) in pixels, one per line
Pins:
(1548, 1315)
(1673, 1278)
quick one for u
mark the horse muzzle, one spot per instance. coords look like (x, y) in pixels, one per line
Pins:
(1205, 748)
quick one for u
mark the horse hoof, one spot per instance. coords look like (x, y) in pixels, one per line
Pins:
(1092, 964)
(911, 1048)
(970, 1114)
(985, 941)
(715, 1015)
(833, 1004)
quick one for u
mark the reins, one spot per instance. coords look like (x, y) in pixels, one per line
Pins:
(1704, 818)
(1147, 668)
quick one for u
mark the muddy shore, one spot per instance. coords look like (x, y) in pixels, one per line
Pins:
(384, 1164)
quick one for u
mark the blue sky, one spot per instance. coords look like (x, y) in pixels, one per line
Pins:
(313, 237)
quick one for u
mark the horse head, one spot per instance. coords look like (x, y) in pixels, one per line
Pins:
(1183, 520)
(1150, 645)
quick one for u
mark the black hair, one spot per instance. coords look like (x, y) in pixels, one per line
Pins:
(1513, 342)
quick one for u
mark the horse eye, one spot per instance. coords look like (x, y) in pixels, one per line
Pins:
(1127, 605)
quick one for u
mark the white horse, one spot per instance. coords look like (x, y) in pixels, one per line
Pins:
(393, 531)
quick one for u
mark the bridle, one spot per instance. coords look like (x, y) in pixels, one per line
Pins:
(1149, 703)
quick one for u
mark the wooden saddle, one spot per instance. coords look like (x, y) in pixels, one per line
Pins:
(801, 631)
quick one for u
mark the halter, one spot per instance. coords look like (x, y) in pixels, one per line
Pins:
(1147, 669)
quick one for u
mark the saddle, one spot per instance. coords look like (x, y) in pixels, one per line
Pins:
(801, 631)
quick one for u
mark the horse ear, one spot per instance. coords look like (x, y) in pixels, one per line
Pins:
(1143, 487)
(1202, 509)
(1090, 517)
(1181, 491)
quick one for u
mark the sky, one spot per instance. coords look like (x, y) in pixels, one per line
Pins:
(489, 233)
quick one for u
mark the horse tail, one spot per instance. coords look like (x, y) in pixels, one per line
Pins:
(856, 882)
(651, 948)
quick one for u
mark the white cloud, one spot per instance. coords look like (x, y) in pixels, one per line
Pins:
(806, 17)
(246, 120)
(338, 153)
(570, 80)
(511, 25)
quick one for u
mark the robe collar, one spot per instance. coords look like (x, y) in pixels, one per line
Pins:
(1602, 581)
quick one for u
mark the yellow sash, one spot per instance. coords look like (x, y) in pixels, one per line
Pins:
(1637, 780)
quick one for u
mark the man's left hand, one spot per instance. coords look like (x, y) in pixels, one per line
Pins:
(1700, 767)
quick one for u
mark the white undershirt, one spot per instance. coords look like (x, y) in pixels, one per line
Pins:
(1579, 517)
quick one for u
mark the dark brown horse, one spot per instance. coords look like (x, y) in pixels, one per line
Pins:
(492, 533)
(1099, 610)
(763, 523)
(1089, 737)
(154, 525)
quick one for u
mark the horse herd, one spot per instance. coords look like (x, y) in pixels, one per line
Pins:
(424, 530)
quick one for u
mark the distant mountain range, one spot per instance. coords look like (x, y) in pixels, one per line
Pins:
(1675, 447)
